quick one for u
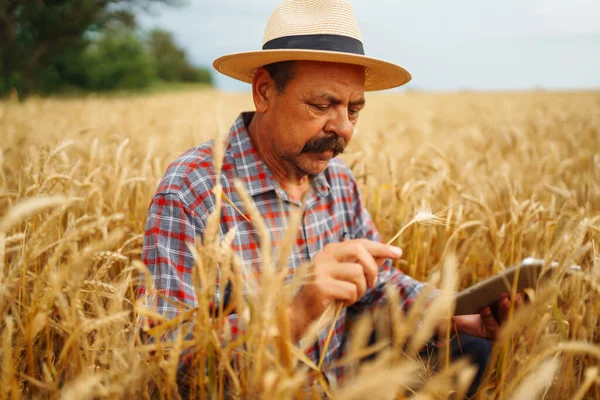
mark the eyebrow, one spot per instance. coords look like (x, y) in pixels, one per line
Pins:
(335, 100)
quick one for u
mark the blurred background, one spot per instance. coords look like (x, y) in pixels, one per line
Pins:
(80, 46)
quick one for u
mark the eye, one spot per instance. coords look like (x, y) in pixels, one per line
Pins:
(353, 112)
(320, 107)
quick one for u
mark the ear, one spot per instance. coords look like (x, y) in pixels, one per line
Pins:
(262, 89)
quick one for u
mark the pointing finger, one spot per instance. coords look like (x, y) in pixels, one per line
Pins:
(381, 250)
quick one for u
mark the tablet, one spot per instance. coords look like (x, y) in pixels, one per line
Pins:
(489, 291)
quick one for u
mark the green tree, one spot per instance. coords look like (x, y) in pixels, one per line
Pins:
(118, 60)
(171, 61)
(34, 34)
(172, 64)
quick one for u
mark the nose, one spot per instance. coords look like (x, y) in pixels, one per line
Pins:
(340, 124)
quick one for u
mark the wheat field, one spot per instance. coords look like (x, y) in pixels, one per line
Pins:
(509, 175)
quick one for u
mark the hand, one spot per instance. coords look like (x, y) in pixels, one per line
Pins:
(485, 325)
(341, 272)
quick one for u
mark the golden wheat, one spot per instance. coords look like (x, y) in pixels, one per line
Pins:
(508, 175)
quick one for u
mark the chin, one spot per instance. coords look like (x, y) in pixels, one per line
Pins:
(313, 168)
(313, 163)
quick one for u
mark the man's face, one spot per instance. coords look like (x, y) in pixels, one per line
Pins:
(312, 121)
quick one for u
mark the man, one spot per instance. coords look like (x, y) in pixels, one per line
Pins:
(308, 87)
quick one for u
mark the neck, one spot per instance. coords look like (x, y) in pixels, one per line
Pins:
(295, 182)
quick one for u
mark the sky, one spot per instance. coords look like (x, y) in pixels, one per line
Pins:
(445, 45)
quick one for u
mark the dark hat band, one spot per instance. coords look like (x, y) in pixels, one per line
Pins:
(323, 42)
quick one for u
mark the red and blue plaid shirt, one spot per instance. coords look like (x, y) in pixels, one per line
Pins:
(333, 212)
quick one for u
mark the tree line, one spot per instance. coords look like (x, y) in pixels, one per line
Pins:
(58, 46)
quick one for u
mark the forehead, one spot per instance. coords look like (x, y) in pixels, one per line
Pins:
(313, 75)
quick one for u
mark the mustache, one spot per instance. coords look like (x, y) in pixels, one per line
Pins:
(335, 143)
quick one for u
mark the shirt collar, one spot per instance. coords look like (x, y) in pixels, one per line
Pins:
(252, 170)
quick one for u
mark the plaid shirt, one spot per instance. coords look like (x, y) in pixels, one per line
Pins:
(333, 212)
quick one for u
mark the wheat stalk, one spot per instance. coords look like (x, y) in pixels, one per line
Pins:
(6, 378)
(422, 217)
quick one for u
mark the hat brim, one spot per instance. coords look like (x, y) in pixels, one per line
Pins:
(379, 74)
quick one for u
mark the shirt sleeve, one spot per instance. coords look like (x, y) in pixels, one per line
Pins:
(170, 227)
(408, 287)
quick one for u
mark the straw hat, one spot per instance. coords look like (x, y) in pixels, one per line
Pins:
(316, 30)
